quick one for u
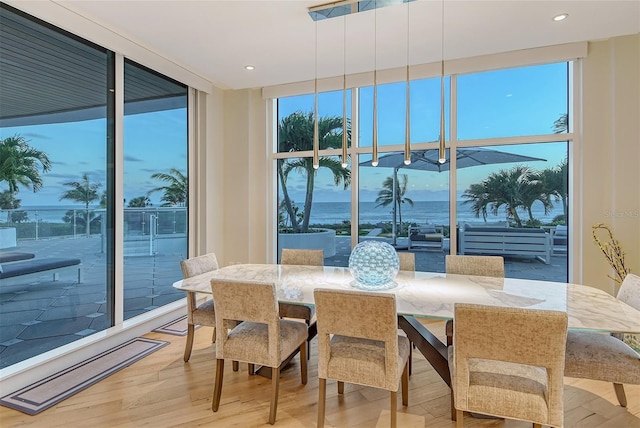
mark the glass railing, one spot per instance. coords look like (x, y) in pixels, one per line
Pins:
(48, 223)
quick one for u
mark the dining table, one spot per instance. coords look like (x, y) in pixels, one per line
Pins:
(433, 295)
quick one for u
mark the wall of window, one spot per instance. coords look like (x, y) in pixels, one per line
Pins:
(155, 187)
(61, 124)
(503, 123)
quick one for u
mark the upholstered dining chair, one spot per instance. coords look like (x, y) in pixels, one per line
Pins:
(603, 356)
(306, 257)
(509, 363)
(407, 261)
(202, 314)
(472, 265)
(358, 342)
(261, 338)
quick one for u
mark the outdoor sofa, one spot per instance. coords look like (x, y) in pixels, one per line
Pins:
(505, 241)
(427, 236)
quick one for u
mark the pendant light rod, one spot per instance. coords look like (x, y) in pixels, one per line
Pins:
(316, 137)
(374, 158)
(441, 150)
(407, 138)
(344, 96)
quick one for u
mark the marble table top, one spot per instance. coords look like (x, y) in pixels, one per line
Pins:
(429, 294)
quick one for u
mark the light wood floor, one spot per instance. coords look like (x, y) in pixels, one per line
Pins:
(162, 391)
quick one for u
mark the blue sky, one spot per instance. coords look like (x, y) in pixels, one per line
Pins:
(521, 101)
(504, 103)
(154, 142)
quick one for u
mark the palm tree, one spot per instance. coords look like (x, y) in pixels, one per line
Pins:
(8, 202)
(385, 195)
(518, 187)
(295, 133)
(85, 192)
(478, 196)
(140, 202)
(561, 124)
(176, 192)
(20, 164)
(532, 189)
(555, 181)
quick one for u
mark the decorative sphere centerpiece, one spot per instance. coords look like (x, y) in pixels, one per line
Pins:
(374, 265)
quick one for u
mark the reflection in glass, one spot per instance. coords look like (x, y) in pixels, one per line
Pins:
(54, 100)
(155, 187)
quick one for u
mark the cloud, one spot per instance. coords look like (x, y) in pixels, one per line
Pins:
(132, 159)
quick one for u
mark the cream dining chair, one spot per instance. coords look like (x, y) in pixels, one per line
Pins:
(603, 356)
(260, 338)
(472, 265)
(407, 261)
(202, 314)
(509, 363)
(302, 257)
(358, 343)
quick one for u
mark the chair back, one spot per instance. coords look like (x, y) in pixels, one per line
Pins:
(246, 301)
(475, 265)
(514, 335)
(629, 291)
(199, 265)
(296, 256)
(358, 314)
(407, 261)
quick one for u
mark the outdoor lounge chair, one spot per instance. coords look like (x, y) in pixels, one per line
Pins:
(16, 272)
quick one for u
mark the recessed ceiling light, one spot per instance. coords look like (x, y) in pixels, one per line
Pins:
(249, 67)
(561, 17)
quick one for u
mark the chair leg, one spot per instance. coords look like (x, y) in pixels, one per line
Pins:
(213, 336)
(251, 368)
(217, 388)
(275, 385)
(340, 387)
(622, 397)
(410, 358)
(189, 344)
(308, 340)
(454, 415)
(459, 418)
(537, 425)
(303, 362)
(322, 393)
(394, 409)
(405, 385)
(235, 366)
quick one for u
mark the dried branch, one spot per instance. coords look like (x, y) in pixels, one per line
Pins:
(612, 250)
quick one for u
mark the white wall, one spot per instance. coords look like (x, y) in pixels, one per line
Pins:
(244, 182)
(609, 155)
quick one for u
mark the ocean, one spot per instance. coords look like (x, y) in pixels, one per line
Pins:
(434, 212)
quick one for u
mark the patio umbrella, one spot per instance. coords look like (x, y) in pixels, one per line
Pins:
(427, 160)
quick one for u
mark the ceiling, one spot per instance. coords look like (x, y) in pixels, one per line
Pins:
(216, 39)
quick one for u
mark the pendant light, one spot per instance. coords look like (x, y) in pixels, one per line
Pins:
(441, 151)
(344, 96)
(407, 139)
(316, 137)
(374, 158)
